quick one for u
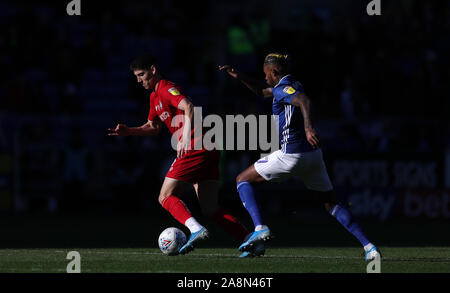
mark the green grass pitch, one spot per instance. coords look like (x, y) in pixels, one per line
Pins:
(225, 260)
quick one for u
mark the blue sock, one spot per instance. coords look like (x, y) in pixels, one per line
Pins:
(345, 218)
(247, 195)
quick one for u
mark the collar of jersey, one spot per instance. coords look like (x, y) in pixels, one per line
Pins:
(281, 80)
(159, 84)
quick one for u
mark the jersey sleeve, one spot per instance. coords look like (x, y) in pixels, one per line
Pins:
(287, 92)
(173, 95)
(152, 112)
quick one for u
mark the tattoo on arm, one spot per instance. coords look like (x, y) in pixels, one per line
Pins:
(303, 102)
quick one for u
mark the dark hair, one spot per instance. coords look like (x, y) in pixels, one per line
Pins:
(143, 62)
(279, 60)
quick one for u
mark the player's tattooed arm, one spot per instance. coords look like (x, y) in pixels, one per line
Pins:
(149, 128)
(303, 102)
(255, 86)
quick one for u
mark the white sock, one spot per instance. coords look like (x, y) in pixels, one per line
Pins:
(368, 247)
(193, 225)
(260, 227)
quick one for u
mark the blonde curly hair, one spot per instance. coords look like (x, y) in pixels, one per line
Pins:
(280, 60)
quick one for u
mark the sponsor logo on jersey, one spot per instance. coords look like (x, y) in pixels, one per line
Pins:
(289, 90)
(164, 115)
(174, 91)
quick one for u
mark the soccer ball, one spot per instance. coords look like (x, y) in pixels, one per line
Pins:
(171, 240)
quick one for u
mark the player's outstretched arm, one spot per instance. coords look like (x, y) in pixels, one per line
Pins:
(149, 128)
(255, 86)
(303, 102)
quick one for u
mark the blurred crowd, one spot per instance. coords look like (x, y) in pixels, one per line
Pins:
(378, 84)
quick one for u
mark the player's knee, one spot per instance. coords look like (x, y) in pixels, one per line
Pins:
(241, 177)
(250, 175)
(162, 198)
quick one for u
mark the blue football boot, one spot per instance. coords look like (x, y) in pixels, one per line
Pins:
(202, 234)
(257, 250)
(257, 236)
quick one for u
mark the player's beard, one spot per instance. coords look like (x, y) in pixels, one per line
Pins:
(151, 84)
(146, 85)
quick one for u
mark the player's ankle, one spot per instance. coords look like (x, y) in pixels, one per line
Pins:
(193, 225)
(261, 227)
(368, 247)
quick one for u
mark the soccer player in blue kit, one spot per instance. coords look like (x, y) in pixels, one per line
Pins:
(300, 155)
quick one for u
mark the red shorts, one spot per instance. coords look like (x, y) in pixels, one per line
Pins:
(196, 166)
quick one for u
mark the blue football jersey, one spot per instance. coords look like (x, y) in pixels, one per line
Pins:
(291, 126)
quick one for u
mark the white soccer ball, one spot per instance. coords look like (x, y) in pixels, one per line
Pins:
(171, 240)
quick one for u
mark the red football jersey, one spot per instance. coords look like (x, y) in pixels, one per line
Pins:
(164, 104)
(196, 165)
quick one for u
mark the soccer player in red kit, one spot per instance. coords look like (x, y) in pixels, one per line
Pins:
(169, 103)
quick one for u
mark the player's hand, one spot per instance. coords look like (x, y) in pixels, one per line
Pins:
(312, 137)
(182, 148)
(231, 71)
(120, 130)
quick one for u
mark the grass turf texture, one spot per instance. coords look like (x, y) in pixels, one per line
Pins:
(224, 260)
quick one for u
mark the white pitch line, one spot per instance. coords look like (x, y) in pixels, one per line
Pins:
(224, 255)
(266, 256)
(207, 255)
